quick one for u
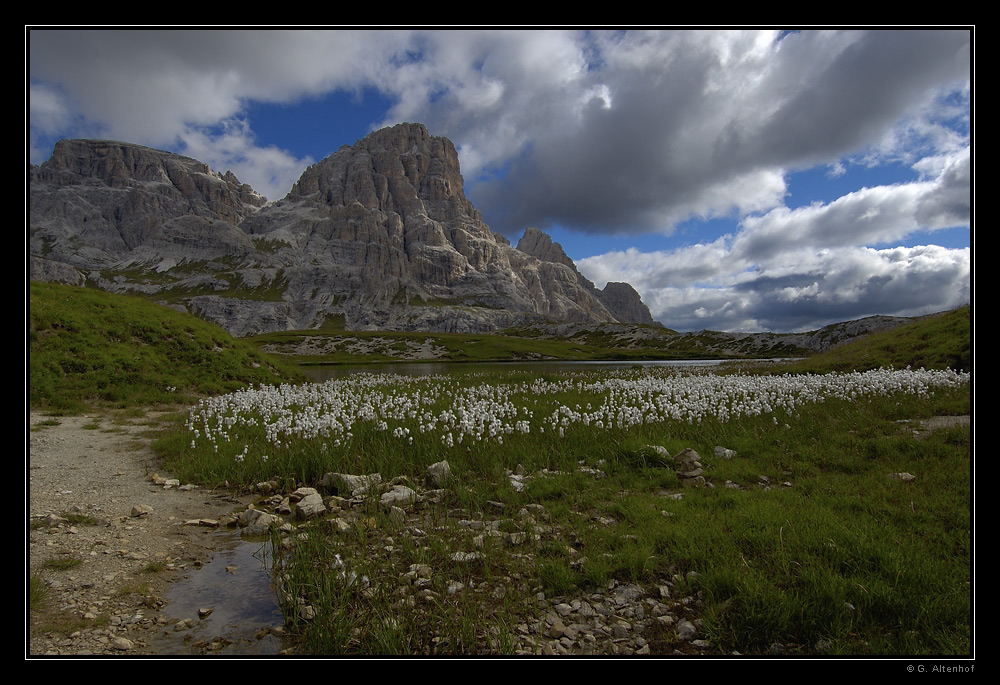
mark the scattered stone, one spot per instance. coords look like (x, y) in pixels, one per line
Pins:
(723, 453)
(184, 624)
(439, 474)
(399, 495)
(141, 511)
(352, 485)
(266, 487)
(904, 477)
(310, 506)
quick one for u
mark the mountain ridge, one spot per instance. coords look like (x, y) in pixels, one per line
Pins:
(377, 236)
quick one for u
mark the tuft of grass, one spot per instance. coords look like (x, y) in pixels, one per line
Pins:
(63, 563)
(47, 423)
(79, 519)
(37, 593)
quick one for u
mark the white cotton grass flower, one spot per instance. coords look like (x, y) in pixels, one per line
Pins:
(453, 411)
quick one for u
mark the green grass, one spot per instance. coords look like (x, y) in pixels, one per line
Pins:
(939, 341)
(842, 556)
(88, 347)
(38, 593)
(63, 563)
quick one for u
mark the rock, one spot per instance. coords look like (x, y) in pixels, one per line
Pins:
(686, 630)
(141, 511)
(904, 477)
(255, 522)
(438, 474)
(122, 644)
(399, 495)
(397, 516)
(688, 456)
(723, 453)
(310, 506)
(350, 484)
(302, 493)
(657, 450)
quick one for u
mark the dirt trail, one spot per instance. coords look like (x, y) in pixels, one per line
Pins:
(105, 571)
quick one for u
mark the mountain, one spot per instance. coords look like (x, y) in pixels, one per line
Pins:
(377, 236)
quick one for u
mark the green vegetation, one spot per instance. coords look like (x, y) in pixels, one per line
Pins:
(828, 550)
(38, 592)
(87, 347)
(63, 563)
(804, 539)
(155, 567)
(939, 341)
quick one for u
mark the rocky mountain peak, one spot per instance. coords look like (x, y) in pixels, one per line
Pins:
(379, 235)
(540, 245)
(402, 169)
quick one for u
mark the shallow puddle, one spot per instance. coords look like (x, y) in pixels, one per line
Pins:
(236, 586)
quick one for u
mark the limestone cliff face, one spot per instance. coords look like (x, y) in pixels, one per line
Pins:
(620, 299)
(379, 235)
(96, 202)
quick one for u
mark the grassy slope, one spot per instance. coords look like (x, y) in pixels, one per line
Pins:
(939, 341)
(87, 346)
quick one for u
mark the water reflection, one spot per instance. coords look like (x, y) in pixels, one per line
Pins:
(323, 373)
(236, 586)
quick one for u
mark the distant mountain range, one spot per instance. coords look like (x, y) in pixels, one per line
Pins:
(377, 236)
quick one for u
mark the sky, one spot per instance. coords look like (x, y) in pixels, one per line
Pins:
(740, 180)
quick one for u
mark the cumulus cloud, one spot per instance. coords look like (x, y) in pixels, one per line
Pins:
(630, 131)
(621, 132)
(187, 89)
(796, 289)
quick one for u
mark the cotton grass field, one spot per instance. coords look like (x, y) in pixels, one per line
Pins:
(804, 539)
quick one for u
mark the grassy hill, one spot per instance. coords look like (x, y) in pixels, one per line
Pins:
(938, 341)
(87, 347)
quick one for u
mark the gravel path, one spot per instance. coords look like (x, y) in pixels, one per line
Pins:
(105, 570)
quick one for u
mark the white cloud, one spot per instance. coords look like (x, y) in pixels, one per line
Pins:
(604, 131)
(273, 170)
(631, 131)
(796, 289)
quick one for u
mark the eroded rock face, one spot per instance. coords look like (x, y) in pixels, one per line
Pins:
(621, 300)
(379, 235)
(95, 202)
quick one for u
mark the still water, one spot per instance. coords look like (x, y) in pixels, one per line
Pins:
(322, 373)
(236, 586)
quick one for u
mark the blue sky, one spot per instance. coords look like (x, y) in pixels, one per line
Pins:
(739, 179)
